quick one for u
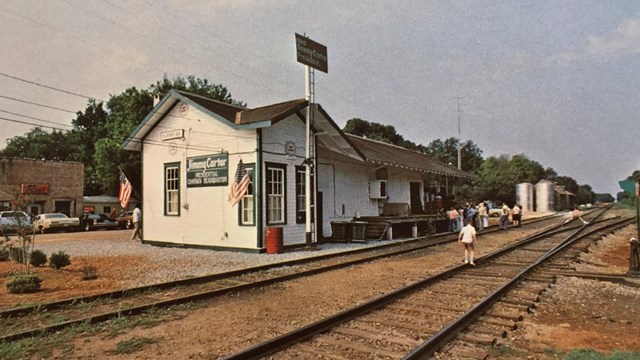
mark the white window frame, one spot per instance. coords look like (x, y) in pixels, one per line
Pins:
(247, 210)
(276, 194)
(172, 189)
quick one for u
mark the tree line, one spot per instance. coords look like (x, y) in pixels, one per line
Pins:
(99, 131)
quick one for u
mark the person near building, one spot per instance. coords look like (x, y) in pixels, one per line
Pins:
(504, 218)
(516, 215)
(467, 237)
(483, 216)
(575, 214)
(461, 211)
(453, 219)
(471, 215)
(137, 223)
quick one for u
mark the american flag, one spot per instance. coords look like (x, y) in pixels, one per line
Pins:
(125, 190)
(240, 184)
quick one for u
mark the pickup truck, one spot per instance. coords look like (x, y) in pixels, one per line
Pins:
(12, 221)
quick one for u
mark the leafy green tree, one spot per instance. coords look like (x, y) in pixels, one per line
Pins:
(493, 180)
(447, 152)
(378, 132)
(126, 111)
(39, 144)
(568, 183)
(521, 170)
(498, 176)
(585, 195)
(194, 85)
(99, 131)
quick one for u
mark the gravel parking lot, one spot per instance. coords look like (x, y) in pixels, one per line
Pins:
(159, 264)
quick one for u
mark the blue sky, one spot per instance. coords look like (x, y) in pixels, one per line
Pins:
(557, 81)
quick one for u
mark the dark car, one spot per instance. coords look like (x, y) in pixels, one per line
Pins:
(125, 219)
(98, 221)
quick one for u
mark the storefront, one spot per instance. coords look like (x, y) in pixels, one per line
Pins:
(45, 186)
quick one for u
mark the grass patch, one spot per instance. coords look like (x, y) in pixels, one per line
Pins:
(586, 354)
(61, 344)
(133, 345)
(501, 351)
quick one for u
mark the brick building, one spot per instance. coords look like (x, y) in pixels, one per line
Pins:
(50, 186)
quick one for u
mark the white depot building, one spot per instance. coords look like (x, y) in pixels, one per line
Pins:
(191, 147)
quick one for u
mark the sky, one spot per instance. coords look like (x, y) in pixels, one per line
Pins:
(556, 81)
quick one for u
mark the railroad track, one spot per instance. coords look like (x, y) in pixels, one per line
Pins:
(462, 311)
(50, 317)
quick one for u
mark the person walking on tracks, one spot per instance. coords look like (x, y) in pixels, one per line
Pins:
(137, 223)
(516, 215)
(467, 237)
(504, 218)
(575, 214)
(482, 216)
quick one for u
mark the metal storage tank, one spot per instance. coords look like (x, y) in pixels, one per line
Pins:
(524, 196)
(545, 191)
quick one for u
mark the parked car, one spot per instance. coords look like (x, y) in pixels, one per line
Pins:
(125, 219)
(495, 212)
(12, 221)
(54, 221)
(98, 221)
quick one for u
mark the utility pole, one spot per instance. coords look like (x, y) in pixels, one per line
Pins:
(459, 139)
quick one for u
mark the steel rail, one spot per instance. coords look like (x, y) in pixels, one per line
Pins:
(438, 340)
(134, 310)
(295, 336)
(432, 241)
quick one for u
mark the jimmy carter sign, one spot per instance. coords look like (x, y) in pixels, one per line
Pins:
(209, 170)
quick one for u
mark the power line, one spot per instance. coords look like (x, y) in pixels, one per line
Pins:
(37, 104)
(34, 118)
(33, 124)
(50, 87)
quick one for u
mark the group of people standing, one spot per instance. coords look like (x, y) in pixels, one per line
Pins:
(478, 218)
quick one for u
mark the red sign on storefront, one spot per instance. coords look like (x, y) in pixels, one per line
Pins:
(37, 189)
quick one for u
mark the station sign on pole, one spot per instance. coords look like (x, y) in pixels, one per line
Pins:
(311, 53)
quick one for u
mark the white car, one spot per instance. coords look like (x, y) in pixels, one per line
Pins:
(54, 221)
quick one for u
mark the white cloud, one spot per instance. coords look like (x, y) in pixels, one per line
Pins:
(623, 40)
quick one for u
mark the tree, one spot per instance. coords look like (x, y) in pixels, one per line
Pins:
(447, 152)
(585, 195)
(126, 111)
(99, 131)
(38, 144)
(378, 132)
(568, 183)
(194, 85)
(493, 180)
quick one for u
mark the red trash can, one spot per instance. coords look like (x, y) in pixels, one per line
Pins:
(274, 240)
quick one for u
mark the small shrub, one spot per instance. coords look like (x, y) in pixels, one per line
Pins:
(38, 258)
(59, 259)
(22, 284)
(89, 272)
(4, 254)
(16, 254)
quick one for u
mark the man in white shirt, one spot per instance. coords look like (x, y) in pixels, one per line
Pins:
(137, 223)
